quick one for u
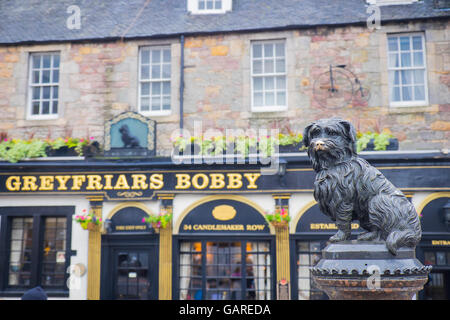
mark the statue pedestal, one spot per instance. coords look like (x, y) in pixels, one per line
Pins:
(357, 270)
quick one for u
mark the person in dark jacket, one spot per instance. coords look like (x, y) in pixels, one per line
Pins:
(36, 293)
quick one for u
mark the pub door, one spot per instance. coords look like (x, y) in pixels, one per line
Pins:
(129, 268)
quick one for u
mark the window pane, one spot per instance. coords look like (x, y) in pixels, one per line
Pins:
(166, 55)
(280, 65)
(418, 59)
(270, 99)
(145, 89)
(156, 88)
(145, 72)
(35, 108)
(209, 5)
(257, 51)
(268, 66)
(20, 252)
(281, 83)
(404, 44)
(145, 56)
(36, 93)
(419, 93)
(268, 50)
(156, 56)
(201, 5)
(45, 107)
(46, 92)
(257, 67)
(258, 84)
(281, 98)
(36, 61)
(156, 71)
(257, 99)
(54, 253)
(269, 83)
(145, 104)
(46, 76)
(166, 103)
(166, 88)
(46, 60)
(406, 77)
(156, 103)
(393, 44)
(218, 4)
(406, 59)
(393, 60)
(56, 61)
(55, 78)
(407, 93)
(395, 94)
(166, 71)
(36, 76)
(55, 92)
(279, 49)
(417, 43)
(418, 76)
(55, 107)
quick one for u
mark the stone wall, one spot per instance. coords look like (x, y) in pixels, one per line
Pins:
(100, 80)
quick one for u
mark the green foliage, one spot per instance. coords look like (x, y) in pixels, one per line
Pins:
(14, 150)
(380, 140)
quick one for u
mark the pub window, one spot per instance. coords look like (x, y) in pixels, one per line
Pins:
(36, 243)
(155, 80)
(407, 70)
(268, 76)
(308, 255)
(44, 85)
(225, 270)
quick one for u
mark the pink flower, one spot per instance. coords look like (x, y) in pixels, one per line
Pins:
(143, 220)
(6, 139)
(84, 210)
(81, 140)
(92, 138)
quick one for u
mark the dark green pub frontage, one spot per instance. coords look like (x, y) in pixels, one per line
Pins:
(218, 244)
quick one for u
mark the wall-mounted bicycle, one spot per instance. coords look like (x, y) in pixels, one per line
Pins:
(338, 87)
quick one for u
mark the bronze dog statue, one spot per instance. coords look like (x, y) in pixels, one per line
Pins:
(348, 188)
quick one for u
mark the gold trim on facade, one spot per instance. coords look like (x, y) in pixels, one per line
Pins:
(218, 197)
(300, 213)
(430, 198)
(94, 255)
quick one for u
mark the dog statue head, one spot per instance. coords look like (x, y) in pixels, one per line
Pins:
(329, 142)
(124, 129)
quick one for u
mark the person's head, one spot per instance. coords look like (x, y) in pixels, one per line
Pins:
(36, 293)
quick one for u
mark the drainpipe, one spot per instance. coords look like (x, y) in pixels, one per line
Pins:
(181, 80)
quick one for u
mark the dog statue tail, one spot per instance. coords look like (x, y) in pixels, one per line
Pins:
(408, 236)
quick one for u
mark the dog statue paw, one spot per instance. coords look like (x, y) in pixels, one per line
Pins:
(340, 236)
(348, 188)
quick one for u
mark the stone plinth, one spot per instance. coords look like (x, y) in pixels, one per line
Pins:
(354, 270)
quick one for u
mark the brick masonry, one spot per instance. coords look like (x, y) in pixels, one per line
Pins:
(100, 80)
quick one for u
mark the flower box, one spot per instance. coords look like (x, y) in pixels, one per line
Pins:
(393, 145)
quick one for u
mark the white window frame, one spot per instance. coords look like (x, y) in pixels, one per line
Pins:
(274, 108)
(412, 103)
(194, 7)
(161, 80)
(31, 85)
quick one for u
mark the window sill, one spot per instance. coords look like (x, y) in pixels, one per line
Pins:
(156, 114)
(39, 118)
(412, 109)
(269, 109)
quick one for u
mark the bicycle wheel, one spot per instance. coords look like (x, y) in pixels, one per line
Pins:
(362, 94)
(335, 92)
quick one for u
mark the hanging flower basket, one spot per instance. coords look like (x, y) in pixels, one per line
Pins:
(159, 221)
(88, 221)
(279, 219)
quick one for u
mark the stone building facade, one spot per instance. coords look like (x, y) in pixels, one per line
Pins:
(100, 79)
